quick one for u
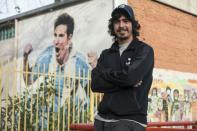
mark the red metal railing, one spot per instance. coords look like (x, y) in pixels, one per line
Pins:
(168, 129)
(82, 127)
(181, 123)
(152, 126)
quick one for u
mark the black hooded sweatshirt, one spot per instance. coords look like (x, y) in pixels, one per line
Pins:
(116, 76)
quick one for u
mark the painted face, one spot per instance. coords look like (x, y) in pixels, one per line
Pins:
(176, 95)
(164, 95)
(168, 91)
(61, 43)
(123, 28)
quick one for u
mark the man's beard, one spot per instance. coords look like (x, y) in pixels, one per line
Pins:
(121, 37)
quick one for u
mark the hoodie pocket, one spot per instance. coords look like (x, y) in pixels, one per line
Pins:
(124, 102)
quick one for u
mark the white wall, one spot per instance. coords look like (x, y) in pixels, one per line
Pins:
(186, 5)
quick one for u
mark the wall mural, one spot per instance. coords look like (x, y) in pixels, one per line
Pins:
(51, 82)
(173, 96)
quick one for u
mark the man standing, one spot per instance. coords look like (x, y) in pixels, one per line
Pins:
(124, 74)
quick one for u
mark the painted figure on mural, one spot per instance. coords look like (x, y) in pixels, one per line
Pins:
(169, 101)
(164, 106)
(194, 96)
(159, 112)
(169, 96)
(61, 62)
(155, 104)
(187, 106)
(176, 107)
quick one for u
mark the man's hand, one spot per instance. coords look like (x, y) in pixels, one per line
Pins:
(27, 50)
(138, 84)
(92, 59)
